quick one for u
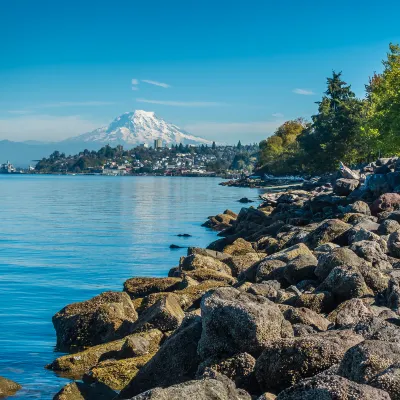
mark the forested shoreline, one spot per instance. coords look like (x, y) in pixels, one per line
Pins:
(345, 128)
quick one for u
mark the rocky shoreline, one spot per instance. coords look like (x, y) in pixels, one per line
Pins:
(298, 299)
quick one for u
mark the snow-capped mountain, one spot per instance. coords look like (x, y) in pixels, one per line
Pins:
(139, 127)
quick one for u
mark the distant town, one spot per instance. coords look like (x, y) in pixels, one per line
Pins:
(178, 160)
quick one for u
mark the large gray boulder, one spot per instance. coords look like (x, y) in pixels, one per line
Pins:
(375, 328)
(388, 226)
(386, 202)
(306, 316)
(239, 369)
(359, 234)
(350, 313)
(345, 282)
(176, 361)
(343, 187)
(331, 387)
(165, 314)
(272, 266)
(372, 252)
(393, 294)
(206, 389)
(235, 322)
(337, 257)
(270, 270)
(359, 207)
(328, 231)
(300, 268)
(394, 244)
(106, 317)
(286, 361)
(388, 380)
(321, 302)
(365, 360)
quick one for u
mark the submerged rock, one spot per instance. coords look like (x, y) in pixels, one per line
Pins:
(8, 387)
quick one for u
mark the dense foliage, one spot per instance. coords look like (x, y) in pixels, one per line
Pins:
(345, 128)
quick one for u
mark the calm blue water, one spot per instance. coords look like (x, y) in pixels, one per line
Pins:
(67, 238)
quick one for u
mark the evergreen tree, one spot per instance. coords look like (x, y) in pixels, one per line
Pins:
(334, 131)
(239, 146)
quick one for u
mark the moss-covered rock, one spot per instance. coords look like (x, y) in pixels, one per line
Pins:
(197, 261)
(117, 373)
(202, 275)
(83, 391)
(8, 387)
(239, 247)
(106, 317)
(141, 287)
(75, 365)
(165, 314)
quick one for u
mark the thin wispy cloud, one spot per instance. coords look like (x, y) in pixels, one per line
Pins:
(135, 83)
(183, 103)
(155, 83)
(303, 92)
(278, 115)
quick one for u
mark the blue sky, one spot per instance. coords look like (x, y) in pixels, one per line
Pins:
(231, 69)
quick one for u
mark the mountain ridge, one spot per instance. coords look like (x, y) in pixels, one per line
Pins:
(139, 127)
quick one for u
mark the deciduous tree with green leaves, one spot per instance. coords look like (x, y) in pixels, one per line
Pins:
(382, 129)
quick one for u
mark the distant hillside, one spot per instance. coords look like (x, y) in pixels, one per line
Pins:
(23, 154)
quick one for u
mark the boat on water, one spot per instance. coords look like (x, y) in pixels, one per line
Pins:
(8, 168)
